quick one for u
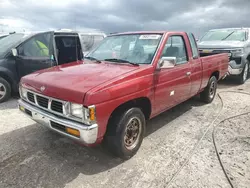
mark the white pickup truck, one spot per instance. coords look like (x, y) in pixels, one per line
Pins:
(235, 42)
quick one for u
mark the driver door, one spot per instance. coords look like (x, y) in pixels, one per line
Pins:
(173, 85)
(35, 54)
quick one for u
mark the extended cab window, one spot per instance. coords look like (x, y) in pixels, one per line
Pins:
(193, 45)
(37, 46)
(175, 47)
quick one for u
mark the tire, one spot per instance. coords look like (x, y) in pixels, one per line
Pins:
(5, 90)
(244, 75)
(209, 92)
(116, 140)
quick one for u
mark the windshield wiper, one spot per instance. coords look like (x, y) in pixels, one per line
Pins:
(93, 59)
(121, 61)
(228, 35)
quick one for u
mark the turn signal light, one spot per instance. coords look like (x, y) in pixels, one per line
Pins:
(73, 132)
(91, 113)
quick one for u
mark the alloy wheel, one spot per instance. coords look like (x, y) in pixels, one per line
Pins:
(2, 91)
(132, 133)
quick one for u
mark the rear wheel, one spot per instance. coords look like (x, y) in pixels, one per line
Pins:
(244, 75)
(209, 92)
(5, 90)
(125, 133)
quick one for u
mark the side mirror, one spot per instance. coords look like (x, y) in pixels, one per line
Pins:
(167, 62)
(14, 52)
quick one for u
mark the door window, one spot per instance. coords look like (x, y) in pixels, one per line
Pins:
(68, 49)
(175, 47)
(37, 46)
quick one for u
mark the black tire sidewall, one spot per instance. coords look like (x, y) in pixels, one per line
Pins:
(117, 140)
(242, 81)
(205, 95)
(8, 90)
(212, 79)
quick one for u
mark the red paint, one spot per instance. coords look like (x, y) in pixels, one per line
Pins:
(108, 85)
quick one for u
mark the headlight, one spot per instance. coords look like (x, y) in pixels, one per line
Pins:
(237, 52)
(87, 115)
(23, 92)
(76, 110)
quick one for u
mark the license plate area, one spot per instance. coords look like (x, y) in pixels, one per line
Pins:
(26, 111)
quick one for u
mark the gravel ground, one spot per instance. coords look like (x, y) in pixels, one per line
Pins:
(177, 151)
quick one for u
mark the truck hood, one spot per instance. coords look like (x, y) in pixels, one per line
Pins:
(72, 81)
(221, 44)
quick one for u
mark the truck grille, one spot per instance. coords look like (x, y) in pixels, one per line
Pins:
(48, 103)
(57, 106)
(42, 101)
(31, 97)
(214, 52)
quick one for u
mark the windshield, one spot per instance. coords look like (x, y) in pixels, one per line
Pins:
(10, 41)
(90, 41)
(1, 37)
(229, 35)
(135, 48)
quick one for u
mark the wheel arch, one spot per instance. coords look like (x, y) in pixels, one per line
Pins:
(248, 57)
(143, 103)
(216, 74)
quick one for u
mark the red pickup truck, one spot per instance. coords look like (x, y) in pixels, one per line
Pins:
(127, 79)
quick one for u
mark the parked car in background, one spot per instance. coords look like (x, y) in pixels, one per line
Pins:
(90, 40)
(127, 79)
(233, 41)
(24, 53)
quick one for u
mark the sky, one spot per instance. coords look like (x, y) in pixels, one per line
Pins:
(195, 16)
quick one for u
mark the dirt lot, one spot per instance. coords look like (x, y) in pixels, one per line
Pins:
(177, 151)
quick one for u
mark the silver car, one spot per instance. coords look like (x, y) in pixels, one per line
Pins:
(235, 42)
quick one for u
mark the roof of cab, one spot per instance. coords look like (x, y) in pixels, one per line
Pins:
(145, 32)
(139, 32)
(79, 32)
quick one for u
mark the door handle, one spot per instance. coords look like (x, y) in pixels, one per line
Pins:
(188, 73)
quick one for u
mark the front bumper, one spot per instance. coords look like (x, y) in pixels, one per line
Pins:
(88, 134)
(234, 69)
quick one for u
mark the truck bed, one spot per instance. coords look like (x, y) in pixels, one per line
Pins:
(210, 63)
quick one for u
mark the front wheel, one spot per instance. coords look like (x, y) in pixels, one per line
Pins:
(125, 133)
(243, 76)
(209, 92)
